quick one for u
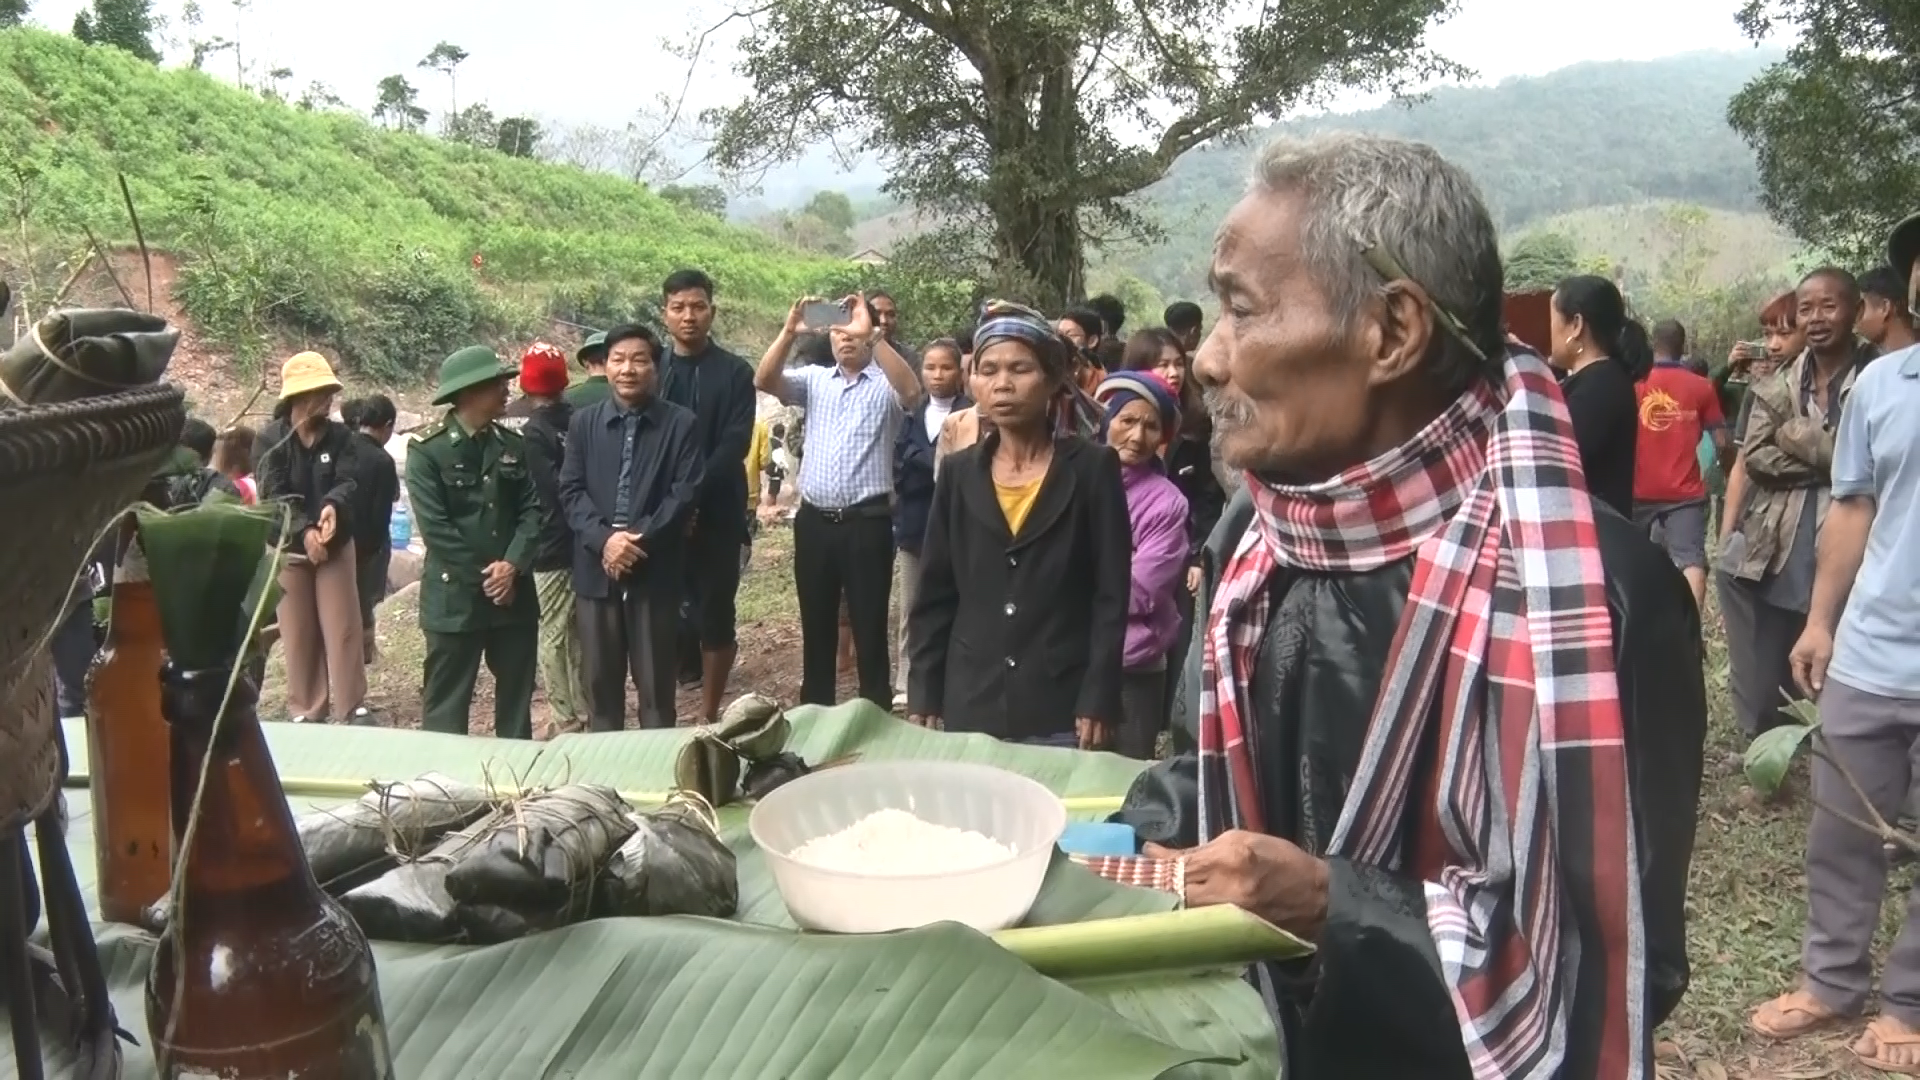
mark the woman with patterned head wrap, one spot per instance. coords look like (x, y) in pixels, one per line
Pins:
(1034, 521)
(1141, 416)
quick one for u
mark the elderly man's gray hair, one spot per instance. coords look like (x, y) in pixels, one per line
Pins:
(1405, 199)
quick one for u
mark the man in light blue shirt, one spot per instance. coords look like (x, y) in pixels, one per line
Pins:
(1859, 657)
(843, 529)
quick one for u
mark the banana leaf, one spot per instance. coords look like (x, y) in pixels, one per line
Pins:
(356, 755)
(1070, 894)
(213, 579)
(643, 760)
(681, 997)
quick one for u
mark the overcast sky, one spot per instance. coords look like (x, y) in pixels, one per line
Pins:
(600, 60)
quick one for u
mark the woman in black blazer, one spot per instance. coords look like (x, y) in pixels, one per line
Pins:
(1021, 613)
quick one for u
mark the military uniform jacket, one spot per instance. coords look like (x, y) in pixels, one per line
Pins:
(473, 503)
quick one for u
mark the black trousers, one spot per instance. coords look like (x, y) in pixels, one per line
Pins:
(73, 646)
(844, 553)
(1143, 713)
(628, 633)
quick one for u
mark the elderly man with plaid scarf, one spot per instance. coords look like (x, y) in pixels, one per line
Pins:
(1446, 713)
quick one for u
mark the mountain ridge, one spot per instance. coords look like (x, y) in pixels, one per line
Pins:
(1593, 134)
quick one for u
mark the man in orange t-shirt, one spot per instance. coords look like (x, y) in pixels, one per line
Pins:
(1677, 407)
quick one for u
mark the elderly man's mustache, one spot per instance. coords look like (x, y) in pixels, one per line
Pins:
(1227, 408)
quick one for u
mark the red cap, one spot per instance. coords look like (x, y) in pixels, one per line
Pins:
(543, 369)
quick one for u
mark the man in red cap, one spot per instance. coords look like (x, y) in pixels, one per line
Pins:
(543, 382)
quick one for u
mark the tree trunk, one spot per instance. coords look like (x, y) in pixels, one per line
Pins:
(1036, 219)
(1042, 245)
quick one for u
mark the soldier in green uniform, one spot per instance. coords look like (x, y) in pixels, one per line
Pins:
(593, 390)
(475, 505)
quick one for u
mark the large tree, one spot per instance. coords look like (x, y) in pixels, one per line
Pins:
(397, 104)
(518, 136)
(1025, 126)
(1836, 125)
(446, 59)
(1540, 260)
(124, 24)
(13, 12)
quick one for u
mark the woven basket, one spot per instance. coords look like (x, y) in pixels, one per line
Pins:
(65, 471)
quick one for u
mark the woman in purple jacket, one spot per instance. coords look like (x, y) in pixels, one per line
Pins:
(1141, 415)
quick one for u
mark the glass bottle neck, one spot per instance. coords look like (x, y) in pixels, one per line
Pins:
(245, 839)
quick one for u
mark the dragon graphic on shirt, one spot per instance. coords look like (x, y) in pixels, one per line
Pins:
(1659, 411)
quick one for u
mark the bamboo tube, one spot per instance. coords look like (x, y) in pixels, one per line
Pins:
(319, 788)
(1191, 940)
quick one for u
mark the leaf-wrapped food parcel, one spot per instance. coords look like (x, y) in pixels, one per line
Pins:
(351, 845)
(410, 903)
(535, 868)
(673, 864)
(80, 353)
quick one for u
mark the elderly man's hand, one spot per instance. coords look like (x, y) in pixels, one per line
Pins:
(1265, 875)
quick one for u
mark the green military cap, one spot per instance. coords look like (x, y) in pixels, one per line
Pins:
(1903, 245)
(597, 343)
(471, 366)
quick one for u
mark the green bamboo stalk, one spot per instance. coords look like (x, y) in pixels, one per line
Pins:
(1195, 939)
(314, 787)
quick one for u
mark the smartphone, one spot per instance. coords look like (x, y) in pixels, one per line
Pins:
(821, 314)
(1753, 350)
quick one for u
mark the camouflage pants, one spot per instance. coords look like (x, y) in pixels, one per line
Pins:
(560, 660)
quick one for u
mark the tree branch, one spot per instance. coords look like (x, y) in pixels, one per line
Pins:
(1878, 827)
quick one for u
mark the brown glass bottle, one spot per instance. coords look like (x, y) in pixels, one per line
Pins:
(260, 975)
(127, 748)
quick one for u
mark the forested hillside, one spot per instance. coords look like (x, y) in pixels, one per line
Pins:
(1585, 136)
(392, 248)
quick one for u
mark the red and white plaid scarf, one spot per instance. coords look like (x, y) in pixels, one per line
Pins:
(1504, 659)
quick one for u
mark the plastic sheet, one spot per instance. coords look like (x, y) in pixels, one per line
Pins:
(411, 903)
(350, 846)
(535, 868)
(673, 864)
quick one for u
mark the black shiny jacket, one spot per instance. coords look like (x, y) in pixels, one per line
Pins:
(1371, 1002)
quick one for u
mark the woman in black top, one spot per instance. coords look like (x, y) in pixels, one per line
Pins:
(311, 470)
(1594, 346)
(1035, 525)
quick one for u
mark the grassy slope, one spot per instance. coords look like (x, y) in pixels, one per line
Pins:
(341, 195)
(1742, 243)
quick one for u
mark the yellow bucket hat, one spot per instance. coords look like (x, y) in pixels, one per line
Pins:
(306, 372)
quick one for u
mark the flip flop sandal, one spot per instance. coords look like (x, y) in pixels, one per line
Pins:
(1885, 1033)
(1793, 1014)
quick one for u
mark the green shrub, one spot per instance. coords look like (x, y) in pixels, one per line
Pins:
(317, 225)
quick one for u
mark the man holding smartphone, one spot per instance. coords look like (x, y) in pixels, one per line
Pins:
(843, 530)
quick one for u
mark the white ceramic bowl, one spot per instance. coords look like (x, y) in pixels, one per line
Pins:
(1006, 806)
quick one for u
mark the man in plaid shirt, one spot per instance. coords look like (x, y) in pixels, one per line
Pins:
(1445, 715)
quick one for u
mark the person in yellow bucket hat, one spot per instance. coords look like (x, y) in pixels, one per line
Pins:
(309, 466)
(475, 504)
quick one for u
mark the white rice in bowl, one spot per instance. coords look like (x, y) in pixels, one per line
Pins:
(896, 843)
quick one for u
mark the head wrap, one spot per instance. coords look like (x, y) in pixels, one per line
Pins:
(1005, 321)
(1119, 389)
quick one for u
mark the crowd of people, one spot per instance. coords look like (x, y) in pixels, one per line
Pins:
(1798, 455)
(1406, 611)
